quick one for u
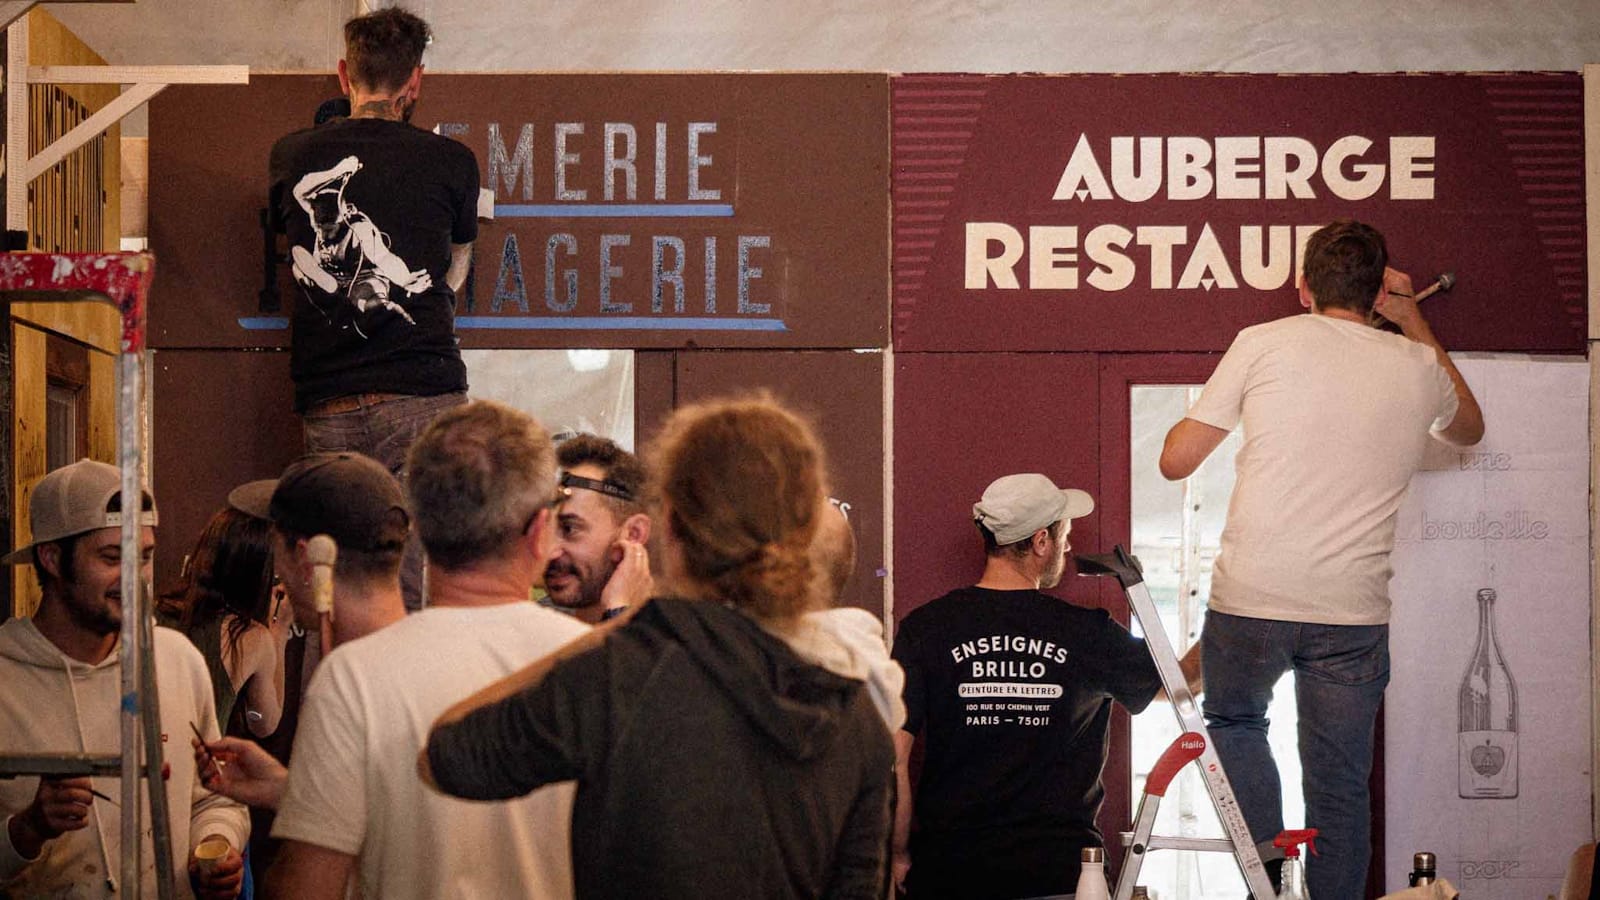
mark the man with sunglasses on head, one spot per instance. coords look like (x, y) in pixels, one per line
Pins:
(599, 566)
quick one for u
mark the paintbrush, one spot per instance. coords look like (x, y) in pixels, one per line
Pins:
(215, 763)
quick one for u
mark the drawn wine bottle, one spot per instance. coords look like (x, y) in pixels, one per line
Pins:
(1488, 724)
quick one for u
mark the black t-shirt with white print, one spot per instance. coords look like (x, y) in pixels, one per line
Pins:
(371, 207)
(1012, 691)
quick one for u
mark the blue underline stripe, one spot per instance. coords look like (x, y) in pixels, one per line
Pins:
(263, 323)
(601, 323)
(578, 323)
(612, 210)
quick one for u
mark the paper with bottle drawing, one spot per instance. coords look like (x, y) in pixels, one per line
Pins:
(1487, 724)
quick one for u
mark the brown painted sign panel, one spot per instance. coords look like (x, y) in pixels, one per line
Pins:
(649, 211)
(1166, 212)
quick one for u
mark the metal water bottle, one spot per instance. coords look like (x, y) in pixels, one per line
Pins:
(1424, 868)
(1092, 876)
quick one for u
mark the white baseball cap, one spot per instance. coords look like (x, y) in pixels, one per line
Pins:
(1015, 506)
(73, 500)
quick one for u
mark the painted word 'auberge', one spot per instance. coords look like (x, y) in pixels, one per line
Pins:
(1247, 168)
(1116, 256)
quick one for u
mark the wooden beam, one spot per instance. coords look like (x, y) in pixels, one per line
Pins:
(12, 10)
(16, 101)
(138, 74)
(1591, 127)
(89, 129)
(28, 460)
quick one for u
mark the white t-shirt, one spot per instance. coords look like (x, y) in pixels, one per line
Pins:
(1336, 417)
(353, 785)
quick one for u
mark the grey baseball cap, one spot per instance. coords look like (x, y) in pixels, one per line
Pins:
(1015, 506)
(74, 500)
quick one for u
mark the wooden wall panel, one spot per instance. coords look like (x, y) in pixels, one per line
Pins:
(28, 451)
(841, 391)
(963, 420)
(220, 418)
(30, 347)
(102, 406)
(654, 392)
(797, 160)
(85, 321)
(135, 187)
(95, 324)
(51, 43)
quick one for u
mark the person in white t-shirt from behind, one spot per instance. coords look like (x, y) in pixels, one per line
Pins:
(1336, 415)
(482, 484)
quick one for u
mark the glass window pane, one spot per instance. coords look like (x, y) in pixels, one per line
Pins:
(1177, 531)
(61, 426)
(568, 391)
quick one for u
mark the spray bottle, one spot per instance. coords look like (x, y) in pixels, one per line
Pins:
(1294, 876)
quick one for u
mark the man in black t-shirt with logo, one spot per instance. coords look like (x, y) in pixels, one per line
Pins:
(380, 217)
(1011, 689)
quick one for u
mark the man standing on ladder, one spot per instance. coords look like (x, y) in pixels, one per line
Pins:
(380, 217)
(59, 689)
(1336, 415)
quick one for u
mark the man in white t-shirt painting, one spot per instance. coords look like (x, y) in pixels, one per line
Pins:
(480, 482)
(1336, 416)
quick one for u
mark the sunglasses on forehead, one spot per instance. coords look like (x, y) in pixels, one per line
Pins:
(568, 481)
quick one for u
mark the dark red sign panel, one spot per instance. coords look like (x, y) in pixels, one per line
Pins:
(651, 211)
(1166, 212)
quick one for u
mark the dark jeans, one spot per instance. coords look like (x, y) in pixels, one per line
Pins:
(1340, 672)
(384, 430)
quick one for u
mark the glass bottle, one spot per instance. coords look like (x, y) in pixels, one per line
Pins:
(1487, 728)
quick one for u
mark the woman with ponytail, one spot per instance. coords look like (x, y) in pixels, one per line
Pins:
(712, 760)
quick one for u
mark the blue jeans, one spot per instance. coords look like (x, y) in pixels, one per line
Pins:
(383, 430)
(1340, 673)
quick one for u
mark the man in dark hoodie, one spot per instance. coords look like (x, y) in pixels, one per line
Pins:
(711, 760)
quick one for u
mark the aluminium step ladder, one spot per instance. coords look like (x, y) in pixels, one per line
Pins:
(123, 280)
(1193, 745)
